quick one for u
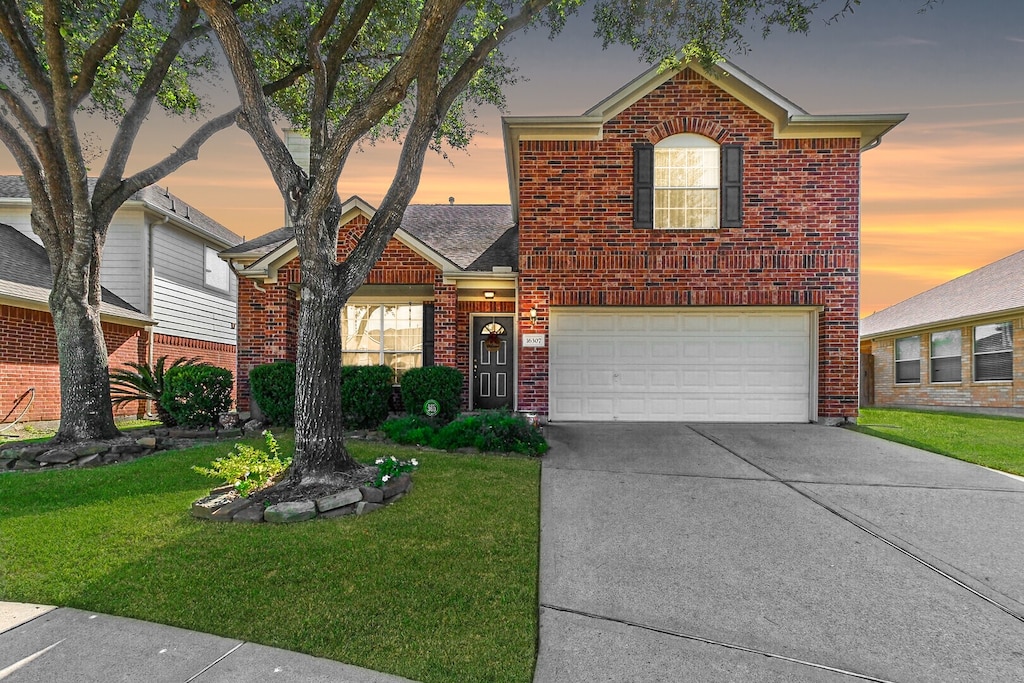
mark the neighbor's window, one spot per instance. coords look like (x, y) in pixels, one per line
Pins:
(686, 179)
(946, 356)
(383, 334)
(993, 352)
(908, 360)
(217, 274)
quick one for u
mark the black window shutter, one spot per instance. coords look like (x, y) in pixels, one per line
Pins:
(643, 185)
(732, 186)
(428, 335)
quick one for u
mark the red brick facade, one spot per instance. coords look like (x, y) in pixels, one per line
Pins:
(798, 244)
(967, 393)
(28, 359)
(797, 247)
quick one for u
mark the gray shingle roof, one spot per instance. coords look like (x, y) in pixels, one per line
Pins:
(988, 290)
(25, 274)
(472, 236)
(464, 233)
(156, 197)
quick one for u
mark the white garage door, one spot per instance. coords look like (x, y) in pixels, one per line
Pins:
(670, 364)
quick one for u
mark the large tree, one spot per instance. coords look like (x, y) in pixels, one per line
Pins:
(413, 69)
(60, 60)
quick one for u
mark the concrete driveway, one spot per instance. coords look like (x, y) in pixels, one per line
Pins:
(774, 553)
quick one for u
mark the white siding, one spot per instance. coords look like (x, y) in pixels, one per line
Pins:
(19, 218)
(125, 266)
(194, 313)
(183, 304)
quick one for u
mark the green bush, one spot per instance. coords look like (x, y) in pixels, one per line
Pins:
(504, 432)
(411, 430)
(145, 383)
(495, 431)
(365, 391)
(438, 382)
(196, 395)
(273, 388)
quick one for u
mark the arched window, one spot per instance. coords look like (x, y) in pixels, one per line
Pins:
(686, 178)
(687, 182)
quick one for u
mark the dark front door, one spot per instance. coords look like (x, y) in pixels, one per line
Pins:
(493, 364)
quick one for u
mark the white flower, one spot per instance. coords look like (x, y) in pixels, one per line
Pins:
(414, 462)
(393, 459)
(380, 461)
(385, 477)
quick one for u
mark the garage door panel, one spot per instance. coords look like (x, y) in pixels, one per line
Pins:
(680, 364)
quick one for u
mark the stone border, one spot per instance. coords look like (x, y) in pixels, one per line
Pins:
(141, 443)
(225, 505)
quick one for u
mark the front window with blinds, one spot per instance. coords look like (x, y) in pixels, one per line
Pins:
(908, 360)
(686, 182)
(993, 352)
(945, 360)
(383, 334)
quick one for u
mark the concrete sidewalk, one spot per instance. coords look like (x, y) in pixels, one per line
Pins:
(774, 553)
(41, 644)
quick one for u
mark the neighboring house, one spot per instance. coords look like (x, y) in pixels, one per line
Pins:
(952, 346)
(685, 250)
(159, 261)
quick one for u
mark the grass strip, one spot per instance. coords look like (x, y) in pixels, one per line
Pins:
(441, 586)
(988, 440)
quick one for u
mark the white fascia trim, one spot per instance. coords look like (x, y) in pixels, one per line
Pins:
(951, 324)
(481, 279)
(178, 221)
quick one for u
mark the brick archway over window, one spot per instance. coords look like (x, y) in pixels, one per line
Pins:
(689, 124)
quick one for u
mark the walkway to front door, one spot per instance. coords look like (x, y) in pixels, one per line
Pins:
(493, 362)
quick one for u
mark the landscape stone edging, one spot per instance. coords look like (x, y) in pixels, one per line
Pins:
(41, 456)
(225, 505)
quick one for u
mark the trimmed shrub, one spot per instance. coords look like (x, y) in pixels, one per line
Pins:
(411, 430)
(196, 395)
(495, 431)
(438, 382)
(273, 388)
(365, 391)
(145, 383)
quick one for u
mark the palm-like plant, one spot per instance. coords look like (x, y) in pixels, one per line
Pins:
(145, 383)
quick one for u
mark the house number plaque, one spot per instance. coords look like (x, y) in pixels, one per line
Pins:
(535, 341)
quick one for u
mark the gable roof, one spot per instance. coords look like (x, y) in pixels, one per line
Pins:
(987, 291)
(466, 237)
(25, 276)
(155, 198)
(790, 120)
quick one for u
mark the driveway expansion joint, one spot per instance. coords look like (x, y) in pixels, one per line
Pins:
(710, 641)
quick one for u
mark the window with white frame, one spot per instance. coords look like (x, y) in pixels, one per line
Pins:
(993, 352)
(686, 182)
(908, 360)
(945, 360)
(217, 274)
(383, 334)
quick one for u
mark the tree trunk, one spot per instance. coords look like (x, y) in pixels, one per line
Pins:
(86, 412)
(319, 424)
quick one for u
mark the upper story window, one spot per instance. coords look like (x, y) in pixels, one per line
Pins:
(686, 177)
(945, 360)
(687, 182)
(993, 352)
(217, 274)
(908, 360)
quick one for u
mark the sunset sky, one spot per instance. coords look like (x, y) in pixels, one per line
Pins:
(942, 195)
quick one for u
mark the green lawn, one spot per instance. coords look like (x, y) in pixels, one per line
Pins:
(996, 442)
(441, 586)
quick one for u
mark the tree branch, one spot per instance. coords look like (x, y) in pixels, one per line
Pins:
(188, 151)
(17, 36)
(128, 130)
(337, 51)
(98, 51)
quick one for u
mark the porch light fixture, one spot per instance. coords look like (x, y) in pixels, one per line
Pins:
(533, 314)
(488, 294)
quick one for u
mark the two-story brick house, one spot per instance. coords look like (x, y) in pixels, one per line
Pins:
(687, 249)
